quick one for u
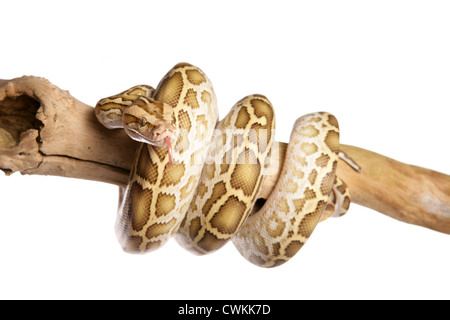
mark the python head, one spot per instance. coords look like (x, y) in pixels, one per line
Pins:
(153, 122)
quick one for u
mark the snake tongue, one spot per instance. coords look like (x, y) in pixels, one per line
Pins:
(169, 150)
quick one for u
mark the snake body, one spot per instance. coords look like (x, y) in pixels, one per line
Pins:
(198, 179)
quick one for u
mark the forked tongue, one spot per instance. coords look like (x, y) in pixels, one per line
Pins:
(169, 150)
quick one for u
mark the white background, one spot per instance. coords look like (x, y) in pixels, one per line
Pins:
(382, 67)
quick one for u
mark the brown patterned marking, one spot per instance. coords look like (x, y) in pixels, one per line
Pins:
(299, 204)
(185, 190)
(242, 118)
(312, 176)
(218, 191)
(139, 208)
(161, 152)
(310, 220)
(224, 167)
(333, 121)
(209, 170)
(152, 245)
(137, 91)
(329, 210)
(158, 229)
(169, 89)
(173, 175)
(276, 248)
(183, 120)
(275, 226)
(309, 194)
(165, 204)
(192, 205)
(194, 227)
(346, 203)
(245, 176)
(149, 105)
(322, 161)
(210, 243)
(309, 131)
(195, 77)
(201, 189)
(293, 248)
(327, 181)
(124, 98)
(283, 205)
(258, 240)
(206, 97)
(128, 118)
(107, 105)
(263, 109)
(342, 187)
(133, 243)
(309, 148)
(332, 141)
(229, 216)
(191, 99)
(146, 168)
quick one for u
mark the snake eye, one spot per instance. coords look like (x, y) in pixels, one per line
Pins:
(142, 121)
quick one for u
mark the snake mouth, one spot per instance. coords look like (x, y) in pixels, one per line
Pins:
(163, 138)
(139, 136)
(155, 138)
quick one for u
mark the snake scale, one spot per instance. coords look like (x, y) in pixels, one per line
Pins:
(198, 179)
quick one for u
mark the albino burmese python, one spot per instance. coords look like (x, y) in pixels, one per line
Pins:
(201, 184)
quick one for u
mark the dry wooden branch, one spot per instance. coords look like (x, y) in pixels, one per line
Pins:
(44, 130)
